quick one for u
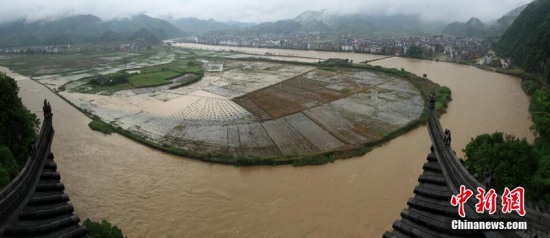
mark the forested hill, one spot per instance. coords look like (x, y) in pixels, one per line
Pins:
(17, 130)
(476, 28)
(527, 40)
(86, 29)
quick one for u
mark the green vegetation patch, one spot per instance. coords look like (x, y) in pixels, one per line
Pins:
(336, 62)
(526, 40)
(326, 68)
(193, 70)
(187, 80)
(103, 89)
(8, 166)
(161, 74)
(540, 112)
(346, 91)
(443, 97)
(151, 76)
(99, 125)
(152, 79)
(498, 153)
(102, 229)
(111, 79)
(18, 128)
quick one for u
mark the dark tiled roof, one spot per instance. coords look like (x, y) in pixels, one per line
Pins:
(48, 212)
(430, 213)
(34, 204)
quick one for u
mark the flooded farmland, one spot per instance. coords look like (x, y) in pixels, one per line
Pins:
(248, 108)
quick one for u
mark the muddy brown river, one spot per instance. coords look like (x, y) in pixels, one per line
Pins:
(152, 194)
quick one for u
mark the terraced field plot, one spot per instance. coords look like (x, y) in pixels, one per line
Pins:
(343, 129)
(297, 134)
(288, 97)
(212, 109)
(221, 138)
(244, 77)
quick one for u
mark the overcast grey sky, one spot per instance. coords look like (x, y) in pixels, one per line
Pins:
(254, 10)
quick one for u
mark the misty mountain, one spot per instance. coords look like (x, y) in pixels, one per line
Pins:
(197, 26)
(68, 30)
(311, 16)
(327, 23)
(159, 28)
(348, 24)
(500, 25)
(476, 28)
(278, 27)
(85, 28)
(364, 23)
(404, 24)
(358, 24)
(472, 28)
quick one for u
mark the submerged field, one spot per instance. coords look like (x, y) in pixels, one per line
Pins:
(253, 109)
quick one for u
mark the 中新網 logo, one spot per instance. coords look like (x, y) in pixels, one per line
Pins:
(512, 200)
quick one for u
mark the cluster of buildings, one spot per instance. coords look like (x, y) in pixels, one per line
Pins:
(454, 49)
(491, 60)
(444, 47)
(56, 49)
(129, 47)
(50, 49)
(285, 41)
